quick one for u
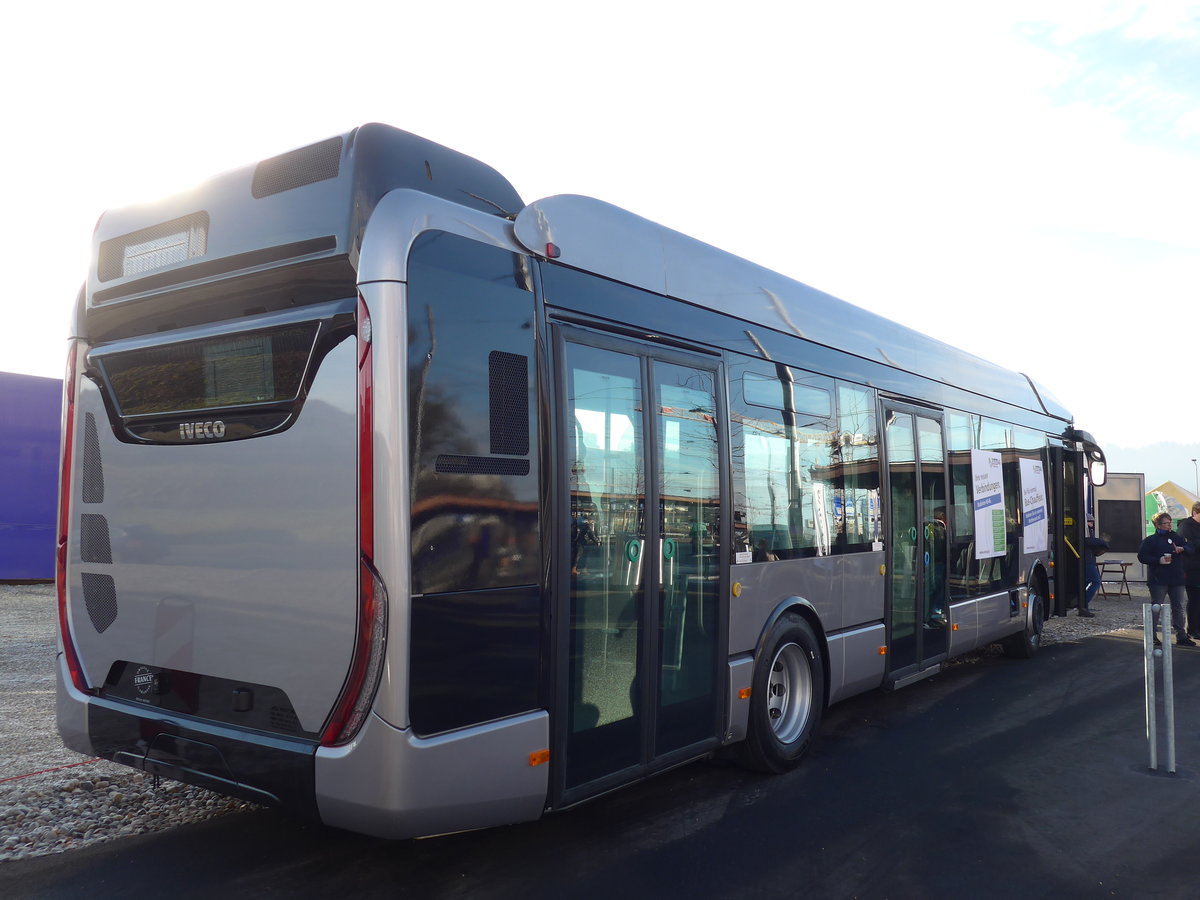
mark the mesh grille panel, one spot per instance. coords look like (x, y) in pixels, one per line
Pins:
(100, 597)
(93, 470)
(154, 248)
(307, 165)
(283, 719)
(94, 545)
(480, 465)
(508, 398)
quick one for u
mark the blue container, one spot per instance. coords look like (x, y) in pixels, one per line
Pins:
(30, 417)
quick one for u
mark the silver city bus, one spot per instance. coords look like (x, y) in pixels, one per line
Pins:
(401, 504)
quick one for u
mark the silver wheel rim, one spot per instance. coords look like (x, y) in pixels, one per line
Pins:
(789, 693)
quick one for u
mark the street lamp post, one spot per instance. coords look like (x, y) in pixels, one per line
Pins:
(1196, 469)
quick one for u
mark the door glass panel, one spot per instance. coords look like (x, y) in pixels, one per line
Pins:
(933, 516)
(607, 488)
(689, 551)
(902, 472)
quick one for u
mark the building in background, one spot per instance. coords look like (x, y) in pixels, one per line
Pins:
(30, 420)
(1121, 516)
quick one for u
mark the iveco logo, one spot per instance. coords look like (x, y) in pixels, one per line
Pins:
(190, 431)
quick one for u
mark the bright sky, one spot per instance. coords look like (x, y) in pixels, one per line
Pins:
(1018, 178)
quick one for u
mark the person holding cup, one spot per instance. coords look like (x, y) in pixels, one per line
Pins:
(1165, 576)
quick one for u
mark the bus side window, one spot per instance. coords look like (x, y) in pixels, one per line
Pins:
(476, 618)
(960, 431)
(472, 427)
(858, 465)
(785, 483)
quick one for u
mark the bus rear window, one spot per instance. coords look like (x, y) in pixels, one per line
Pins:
(230, 370)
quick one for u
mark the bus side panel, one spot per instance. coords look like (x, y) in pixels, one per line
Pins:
(996, 618)
(392, 784)
(965, 618)
(846, 591)
(863, 583)
(233, 560)
(861, 664)
(764, 586)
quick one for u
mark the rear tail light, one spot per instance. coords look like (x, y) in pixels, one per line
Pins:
(67, 441)
(359, 690)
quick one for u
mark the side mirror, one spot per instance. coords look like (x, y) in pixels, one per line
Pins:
(1097, 465)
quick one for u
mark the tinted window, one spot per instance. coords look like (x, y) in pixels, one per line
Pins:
(472, 434)
(231, 370)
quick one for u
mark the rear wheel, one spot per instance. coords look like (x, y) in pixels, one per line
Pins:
(786, 699)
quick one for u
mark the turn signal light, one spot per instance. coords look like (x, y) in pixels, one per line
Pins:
(744, 694)
(538, 757)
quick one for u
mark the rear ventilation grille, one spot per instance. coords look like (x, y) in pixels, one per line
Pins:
(284, 719)
(161, 245)
(508, 398)
(94, 544)
(100, 597)
(308, 165)
(480, 465)
(93, 470)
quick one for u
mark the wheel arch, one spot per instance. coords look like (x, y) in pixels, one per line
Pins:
(1037, 581)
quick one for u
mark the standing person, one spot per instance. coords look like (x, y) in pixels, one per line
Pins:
(1160, 554)
(1092, 547)
(1189, 530)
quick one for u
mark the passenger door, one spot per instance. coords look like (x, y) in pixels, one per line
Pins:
(640, 634)
(917, 612)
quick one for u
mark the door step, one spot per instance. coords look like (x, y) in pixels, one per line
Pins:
(894, 684)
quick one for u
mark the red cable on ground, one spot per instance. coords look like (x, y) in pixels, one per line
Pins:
(86, 762)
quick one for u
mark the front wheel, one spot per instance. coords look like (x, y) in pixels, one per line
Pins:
(1026, 644)
(786, 698)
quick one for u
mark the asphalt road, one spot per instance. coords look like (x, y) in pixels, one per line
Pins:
(998, 778)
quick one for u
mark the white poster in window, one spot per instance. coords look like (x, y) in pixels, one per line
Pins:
(987, 482)
(1033, 506)
(822, 538)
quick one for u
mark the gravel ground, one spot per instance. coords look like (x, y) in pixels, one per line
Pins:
(53, 799)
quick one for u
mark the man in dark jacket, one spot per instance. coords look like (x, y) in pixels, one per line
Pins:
(1189, 530)
(1160, 554)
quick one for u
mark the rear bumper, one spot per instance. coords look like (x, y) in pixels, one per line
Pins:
(261, 768)
(388, 782)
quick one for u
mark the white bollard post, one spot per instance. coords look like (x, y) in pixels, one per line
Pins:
(1148, 611)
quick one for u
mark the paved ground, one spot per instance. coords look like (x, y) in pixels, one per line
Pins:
(997, 778)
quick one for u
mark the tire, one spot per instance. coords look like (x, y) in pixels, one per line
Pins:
(1026, 644)
(786, 699)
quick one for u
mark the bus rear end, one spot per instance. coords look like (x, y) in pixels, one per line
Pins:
(222, 620)
(211, 576)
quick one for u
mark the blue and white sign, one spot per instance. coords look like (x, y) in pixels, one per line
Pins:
(1033, 506)
(987, 483)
